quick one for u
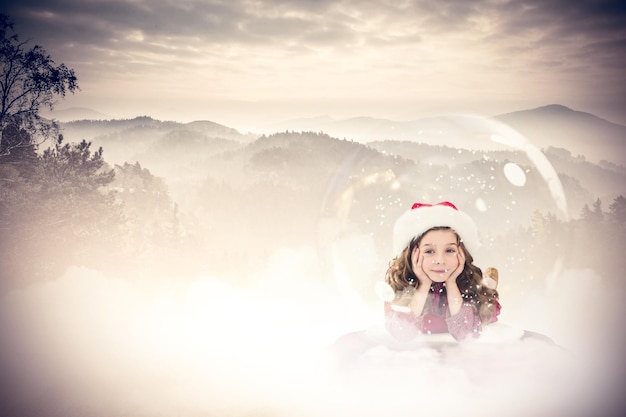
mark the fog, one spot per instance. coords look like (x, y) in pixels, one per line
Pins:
(90, 344)
(267, 336)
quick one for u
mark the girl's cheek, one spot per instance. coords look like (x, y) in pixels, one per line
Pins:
(453, 259)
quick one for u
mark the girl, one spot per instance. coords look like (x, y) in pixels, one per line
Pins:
(437, 287)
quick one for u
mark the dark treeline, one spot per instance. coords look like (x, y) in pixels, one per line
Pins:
(65, 206)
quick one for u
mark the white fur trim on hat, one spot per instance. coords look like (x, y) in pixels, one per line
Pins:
(416, 221)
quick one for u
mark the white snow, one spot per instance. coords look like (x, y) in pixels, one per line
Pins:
(88, 344)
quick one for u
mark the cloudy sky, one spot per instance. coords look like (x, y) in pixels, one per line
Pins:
(246, 63)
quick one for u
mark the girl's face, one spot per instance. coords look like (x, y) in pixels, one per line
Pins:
(439, 248)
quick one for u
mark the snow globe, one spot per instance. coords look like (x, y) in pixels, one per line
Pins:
(491, 172)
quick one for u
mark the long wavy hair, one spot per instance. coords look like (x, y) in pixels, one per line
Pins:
(400, 276)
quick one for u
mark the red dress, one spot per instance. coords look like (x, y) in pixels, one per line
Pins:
(436, 318)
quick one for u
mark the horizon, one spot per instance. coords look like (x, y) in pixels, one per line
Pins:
(61, 114)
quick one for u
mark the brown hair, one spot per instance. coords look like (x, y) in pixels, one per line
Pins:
(400, 275)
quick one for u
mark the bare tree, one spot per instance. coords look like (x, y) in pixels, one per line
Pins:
(29, 82)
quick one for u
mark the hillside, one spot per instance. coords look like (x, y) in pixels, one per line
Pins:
(181, 153)
(206, 198)
(166, 147)
(581, 133)
(551, 126)
(95, 129)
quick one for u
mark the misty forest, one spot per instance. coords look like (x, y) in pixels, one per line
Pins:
(98, 214)
(199, 198)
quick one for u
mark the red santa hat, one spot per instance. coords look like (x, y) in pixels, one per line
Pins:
(422, 217)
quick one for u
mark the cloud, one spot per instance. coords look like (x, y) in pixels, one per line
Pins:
(452, 52)
(91, 344)
(116, 23)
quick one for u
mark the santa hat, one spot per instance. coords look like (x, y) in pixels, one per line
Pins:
(422, 217)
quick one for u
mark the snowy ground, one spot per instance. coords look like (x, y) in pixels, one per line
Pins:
(93, 345)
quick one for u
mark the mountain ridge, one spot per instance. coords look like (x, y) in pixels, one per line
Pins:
(553, 125)
(550, 126)
(559, 110)
(582, 133)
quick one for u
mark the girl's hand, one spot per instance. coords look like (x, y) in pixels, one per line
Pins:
(455, 274)
(417, 259)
